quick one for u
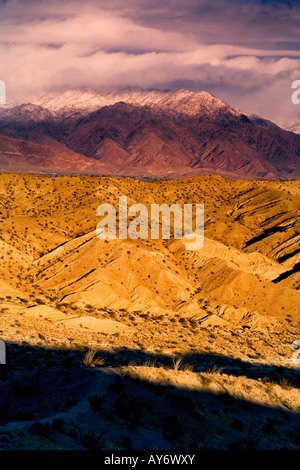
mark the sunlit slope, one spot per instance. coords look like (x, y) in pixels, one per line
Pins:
(249, 259)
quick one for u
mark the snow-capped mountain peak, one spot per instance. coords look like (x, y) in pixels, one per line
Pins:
(183, 101)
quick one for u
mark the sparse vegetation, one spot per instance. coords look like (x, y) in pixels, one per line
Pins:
(163, 318)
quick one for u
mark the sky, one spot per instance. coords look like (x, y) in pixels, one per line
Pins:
(245, 52)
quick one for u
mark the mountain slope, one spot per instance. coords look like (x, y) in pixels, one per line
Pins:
(155, 134)
(160, 143)
(47, 157)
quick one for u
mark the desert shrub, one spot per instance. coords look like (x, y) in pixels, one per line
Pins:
(126, 442)
(25, 390)
(70, 402)
(57, 424)
(173, 428)
(128, 409)
(90, 360)
(96, 402)
(286, 384)
(91, 441)
(40, 429)
(237, 424)
(177, 362)
(226, 399)
(117, 386)
(269, 427)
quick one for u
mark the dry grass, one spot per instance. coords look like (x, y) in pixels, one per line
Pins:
(241, 388)
(178, 362)
(90, 360)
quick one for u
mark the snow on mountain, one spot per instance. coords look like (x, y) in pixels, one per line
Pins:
(294, 128)
(291, 125)
(183, 101)
(148, 133)
(26, 112)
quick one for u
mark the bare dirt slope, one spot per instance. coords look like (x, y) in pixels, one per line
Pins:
(248, 265)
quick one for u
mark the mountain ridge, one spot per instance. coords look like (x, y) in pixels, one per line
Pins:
(152, 134)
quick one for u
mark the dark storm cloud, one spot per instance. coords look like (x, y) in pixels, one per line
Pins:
(246, 52)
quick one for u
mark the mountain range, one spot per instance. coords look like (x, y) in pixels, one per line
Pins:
(144, 134)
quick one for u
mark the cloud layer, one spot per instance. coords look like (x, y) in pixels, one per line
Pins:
(245, 52)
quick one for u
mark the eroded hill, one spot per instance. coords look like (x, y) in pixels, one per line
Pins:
(56, 270)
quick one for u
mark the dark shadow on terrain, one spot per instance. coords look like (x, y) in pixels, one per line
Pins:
(95, 408)
(283, 258)
(267, 232)
(28, 357)
(286, 274)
